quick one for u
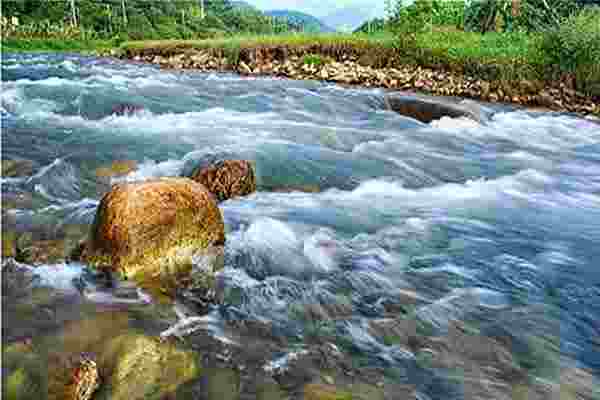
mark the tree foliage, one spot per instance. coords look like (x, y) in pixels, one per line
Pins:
(139, 19)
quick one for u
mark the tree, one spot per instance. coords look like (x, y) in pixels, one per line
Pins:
(73, 13)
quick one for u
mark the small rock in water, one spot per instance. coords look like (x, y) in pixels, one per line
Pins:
(126, 109)
(227, 179)
(16, 168)
(86, 378)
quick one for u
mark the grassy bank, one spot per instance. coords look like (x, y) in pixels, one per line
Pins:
(512, 67)
(10, 45)
(510, 56)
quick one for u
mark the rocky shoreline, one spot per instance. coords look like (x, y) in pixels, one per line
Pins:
(353, 69)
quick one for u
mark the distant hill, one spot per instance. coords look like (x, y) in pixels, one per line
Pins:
(300, 21)
(347, 19)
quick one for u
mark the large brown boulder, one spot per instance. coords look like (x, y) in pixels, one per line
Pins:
(227, 179)
(142, 228)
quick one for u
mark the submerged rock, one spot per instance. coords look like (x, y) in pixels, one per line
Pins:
(115, 169)
(143, 229)
(16, 168)
(227, 179)
(126, 109)
(325, 392)
(22, 373)
(99, 358)
(141, 367)
(426, 110)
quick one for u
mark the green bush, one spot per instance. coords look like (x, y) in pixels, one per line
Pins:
(314, 59)
(576, 42)
(533, 15)
(575, 48)
(541, 15)
(413, 18)
(448, 13)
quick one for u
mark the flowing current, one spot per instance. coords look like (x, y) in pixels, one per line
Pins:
(496, 223)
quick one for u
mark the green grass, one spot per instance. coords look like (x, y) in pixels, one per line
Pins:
(441, 46)
(458, 44)
(493, 56)
(251, 41)
(10, 45)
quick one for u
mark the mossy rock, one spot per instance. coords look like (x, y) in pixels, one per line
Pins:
(135, 366)
(140, 227)
(317, 391)
(9, 244)
(131, 365)
(16, 168)
(220, 383)
(23, 373)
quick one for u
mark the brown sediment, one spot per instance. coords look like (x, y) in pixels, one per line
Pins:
(379, 67)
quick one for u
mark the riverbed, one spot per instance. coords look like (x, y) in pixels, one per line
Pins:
(495, 224)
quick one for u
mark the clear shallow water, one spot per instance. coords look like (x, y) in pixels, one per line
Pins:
(497, 224)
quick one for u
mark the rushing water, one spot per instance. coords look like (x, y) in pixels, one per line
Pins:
(497, 223)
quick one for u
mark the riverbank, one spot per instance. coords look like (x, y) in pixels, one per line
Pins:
(516, 77)
(496, 67)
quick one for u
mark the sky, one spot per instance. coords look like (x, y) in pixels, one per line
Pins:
(321, 8)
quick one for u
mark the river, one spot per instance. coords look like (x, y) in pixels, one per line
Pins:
(495, 224)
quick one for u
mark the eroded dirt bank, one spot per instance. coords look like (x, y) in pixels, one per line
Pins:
(369, 68)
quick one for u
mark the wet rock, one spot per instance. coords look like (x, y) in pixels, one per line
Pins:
(198, 288)
(9, 244)
(69, 365)
(227, 179)
(426, 110)
(295, 188)
(219, 383)
(16, 168)
(23, 374)
(126, 109)
(325, 392)
(86, 379)
(12, 201)
(141, 367)
(141, 229)
(117, 168)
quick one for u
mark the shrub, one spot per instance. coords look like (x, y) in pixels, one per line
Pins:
(541, 15)
(576, 42)
(413, 18)
(575, 48)
(314, 59)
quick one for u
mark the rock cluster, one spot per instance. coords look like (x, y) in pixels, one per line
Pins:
(556, 95)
